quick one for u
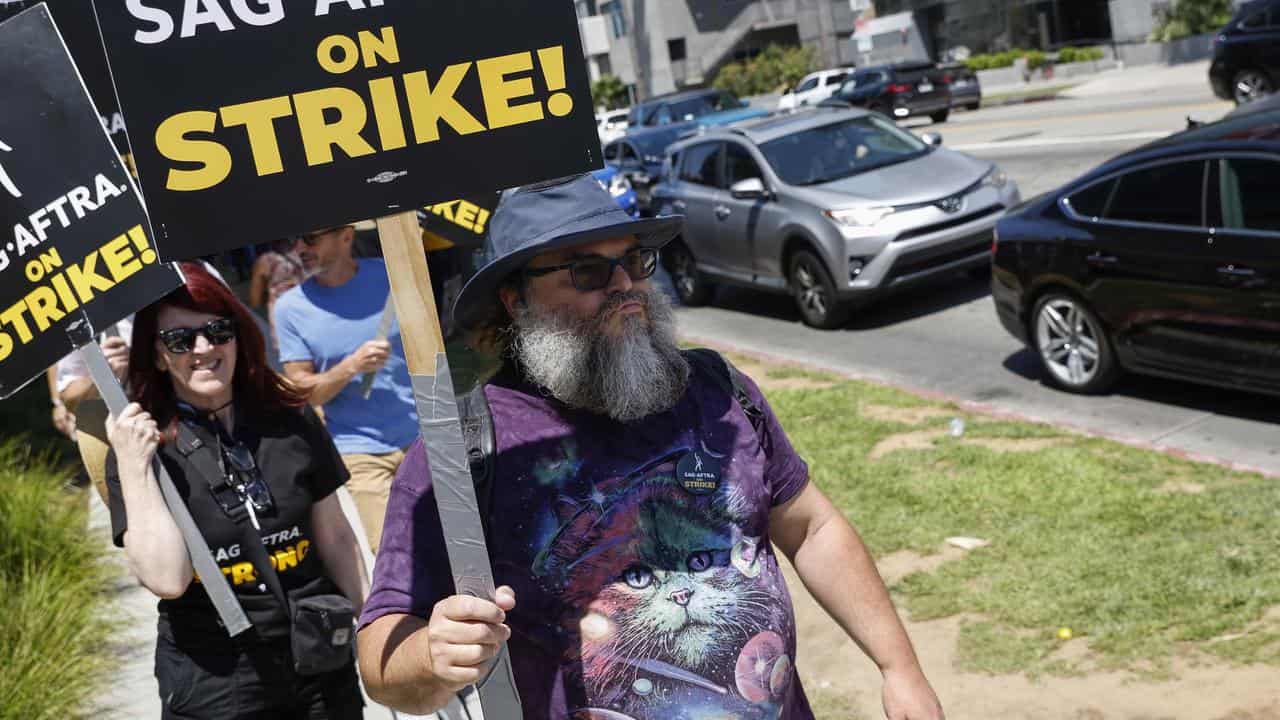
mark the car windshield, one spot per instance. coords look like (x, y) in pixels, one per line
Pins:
(840, 150)
(703, 105)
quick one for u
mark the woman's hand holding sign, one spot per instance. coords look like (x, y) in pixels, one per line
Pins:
(135, 437)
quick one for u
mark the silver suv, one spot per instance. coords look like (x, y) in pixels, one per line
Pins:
(832, 206)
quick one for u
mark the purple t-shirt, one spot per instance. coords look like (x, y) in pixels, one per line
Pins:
(646, 586)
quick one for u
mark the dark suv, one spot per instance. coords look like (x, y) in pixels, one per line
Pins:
(1246, 53)
(900, 91)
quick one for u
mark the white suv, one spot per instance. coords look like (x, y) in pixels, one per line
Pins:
(814, 88)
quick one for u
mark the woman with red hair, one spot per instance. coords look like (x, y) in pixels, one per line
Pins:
(257, 469)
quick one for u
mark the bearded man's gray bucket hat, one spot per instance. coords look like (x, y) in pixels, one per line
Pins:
(547, 216)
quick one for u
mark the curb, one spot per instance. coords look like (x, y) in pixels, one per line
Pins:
(984, 408)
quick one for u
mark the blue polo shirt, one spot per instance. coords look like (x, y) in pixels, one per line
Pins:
(323, 325)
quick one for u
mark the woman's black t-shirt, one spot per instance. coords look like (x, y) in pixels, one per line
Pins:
(301, 466)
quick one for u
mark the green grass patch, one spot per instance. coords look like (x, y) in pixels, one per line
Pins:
(1084, 533)
(53, 616)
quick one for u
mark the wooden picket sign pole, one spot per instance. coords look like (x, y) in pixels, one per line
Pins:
(437, 406)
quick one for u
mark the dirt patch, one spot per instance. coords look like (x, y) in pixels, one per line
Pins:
(919, 440)
(760, 374)
(1177, 486)
(829, 661)
(904, 415)
(1010, 445)
(896, 566)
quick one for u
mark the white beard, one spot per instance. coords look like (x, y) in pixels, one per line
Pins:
(637, 374)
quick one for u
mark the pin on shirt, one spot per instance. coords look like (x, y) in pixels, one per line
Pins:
(698, 473)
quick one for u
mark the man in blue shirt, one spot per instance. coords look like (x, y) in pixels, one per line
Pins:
(327, 330)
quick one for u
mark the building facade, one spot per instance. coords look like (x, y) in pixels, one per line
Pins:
(661, 46)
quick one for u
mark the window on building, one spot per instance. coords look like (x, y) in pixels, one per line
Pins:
(612, 9)
(676, 49)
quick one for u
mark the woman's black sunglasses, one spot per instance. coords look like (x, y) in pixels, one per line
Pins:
(591, 274)
(181, 340)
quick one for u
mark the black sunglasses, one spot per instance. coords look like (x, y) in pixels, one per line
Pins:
(313, 239)
(243, 485)
(180, 341)
(591, 274)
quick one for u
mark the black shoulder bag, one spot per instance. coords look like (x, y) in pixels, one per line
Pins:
(321, 621)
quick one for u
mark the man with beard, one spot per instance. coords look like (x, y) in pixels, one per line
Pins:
(637, 494)
(327, 330)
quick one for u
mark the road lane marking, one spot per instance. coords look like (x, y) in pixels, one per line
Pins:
(1047, 142)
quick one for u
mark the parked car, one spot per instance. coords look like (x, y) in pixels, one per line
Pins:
(713, 107)
(612, 178)
(612, 124)
(638, 157)
(1163, 261)
(1246, 53)
(814, 88)
(833, 206)
(966, 90)
(900, 91)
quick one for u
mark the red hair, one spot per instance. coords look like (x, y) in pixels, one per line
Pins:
(254, 385)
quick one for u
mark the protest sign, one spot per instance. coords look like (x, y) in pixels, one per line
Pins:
(80, 31)
(464, 222)
(74, 239)
(253, 121)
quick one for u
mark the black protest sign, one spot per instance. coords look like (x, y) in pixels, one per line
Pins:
(73, 234)
(80, 31)
(257, 120)
(464, 222)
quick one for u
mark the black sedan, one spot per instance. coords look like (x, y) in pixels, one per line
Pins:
(1246, 53)
(1164, 261)
(903, 90)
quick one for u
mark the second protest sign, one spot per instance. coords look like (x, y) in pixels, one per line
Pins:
(252, 122)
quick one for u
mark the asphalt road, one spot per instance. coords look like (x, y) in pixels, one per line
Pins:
(945, 338)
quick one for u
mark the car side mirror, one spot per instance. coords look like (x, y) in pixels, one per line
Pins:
(788, 91)
(749, 189)
(932, 139)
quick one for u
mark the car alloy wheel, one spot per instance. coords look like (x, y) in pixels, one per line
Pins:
(1250, 85)
(814, 292)
(690, 287)
(1073, 345)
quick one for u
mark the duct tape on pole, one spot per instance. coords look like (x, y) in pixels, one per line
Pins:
(437, 407)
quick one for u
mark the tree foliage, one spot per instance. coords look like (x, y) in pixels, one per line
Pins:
(775, 69)
(609, 92)
(1191, 17)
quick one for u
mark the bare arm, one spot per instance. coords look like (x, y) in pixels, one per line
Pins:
(417, 666)
(339, 550)
(836, 567)
(154, 546)
(321, 387)
(258, 283)
(78, 391)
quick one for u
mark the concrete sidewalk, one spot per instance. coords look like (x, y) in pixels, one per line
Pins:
(1132, 81)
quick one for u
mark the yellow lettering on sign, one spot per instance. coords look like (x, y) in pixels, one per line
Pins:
(499, 91)
(173, 142)
(429, 105)
(258, 118)
(320, 136)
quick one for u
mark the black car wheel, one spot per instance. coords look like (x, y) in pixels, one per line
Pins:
(691, 286)
(973, 106)
(1249, 85)
(1073, 345)
(940, 116)
(815, 293)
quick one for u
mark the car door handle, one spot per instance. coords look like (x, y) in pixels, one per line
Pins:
(1099, 260)
(1232, 271)
(723, 212)
(679, 205)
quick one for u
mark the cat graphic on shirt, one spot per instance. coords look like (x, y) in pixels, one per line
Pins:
(656, 577)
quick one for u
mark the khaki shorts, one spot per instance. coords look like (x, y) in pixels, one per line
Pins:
(370, 487)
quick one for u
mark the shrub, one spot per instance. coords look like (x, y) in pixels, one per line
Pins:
(1191, 17)
(52, 583)
(609, 92)
(775, 69)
